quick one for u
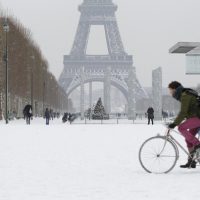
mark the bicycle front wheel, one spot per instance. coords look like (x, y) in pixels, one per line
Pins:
(158, 155)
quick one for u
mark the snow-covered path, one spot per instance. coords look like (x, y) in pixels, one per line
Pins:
(85, 162)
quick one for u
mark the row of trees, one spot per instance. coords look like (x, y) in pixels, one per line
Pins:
(30, 80)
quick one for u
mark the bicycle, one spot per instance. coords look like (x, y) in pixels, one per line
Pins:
(159, 154)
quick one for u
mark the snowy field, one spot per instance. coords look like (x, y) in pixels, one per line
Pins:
(85, 162)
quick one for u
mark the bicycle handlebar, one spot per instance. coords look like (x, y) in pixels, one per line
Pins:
(169, 129)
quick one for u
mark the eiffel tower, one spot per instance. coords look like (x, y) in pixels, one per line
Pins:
(115, 69)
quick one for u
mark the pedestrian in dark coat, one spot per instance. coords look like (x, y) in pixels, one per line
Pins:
(65, 117)
(150, 113)
(71, 117)
(47, 116)
(27, 113)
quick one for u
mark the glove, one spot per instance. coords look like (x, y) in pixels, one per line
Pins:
(172, 125)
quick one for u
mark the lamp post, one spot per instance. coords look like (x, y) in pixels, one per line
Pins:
(6, 30)
(56, 97)
(31, 86)
(33, 57)
(43, 96)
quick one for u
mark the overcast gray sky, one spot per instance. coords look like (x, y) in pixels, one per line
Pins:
(148, 29)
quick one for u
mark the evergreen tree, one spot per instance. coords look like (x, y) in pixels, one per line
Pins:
(99, 111)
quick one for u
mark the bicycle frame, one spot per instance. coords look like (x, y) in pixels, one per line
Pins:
(168, 136)
(165, 142)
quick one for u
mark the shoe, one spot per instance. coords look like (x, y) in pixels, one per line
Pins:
(190, 164)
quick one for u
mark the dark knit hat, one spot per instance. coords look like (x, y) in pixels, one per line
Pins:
(174, 85)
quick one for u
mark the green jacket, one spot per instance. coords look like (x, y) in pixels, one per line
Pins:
(189, 108)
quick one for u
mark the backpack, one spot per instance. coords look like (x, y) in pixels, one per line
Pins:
(194, 93)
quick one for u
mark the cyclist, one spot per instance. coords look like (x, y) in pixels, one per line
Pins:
(190, 112)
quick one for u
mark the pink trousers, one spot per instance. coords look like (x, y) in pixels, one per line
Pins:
(189, 129)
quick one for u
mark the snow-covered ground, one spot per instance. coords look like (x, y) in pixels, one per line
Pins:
(85, 162)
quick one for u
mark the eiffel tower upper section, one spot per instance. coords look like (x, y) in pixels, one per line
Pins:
(95, 67)
(98, 12)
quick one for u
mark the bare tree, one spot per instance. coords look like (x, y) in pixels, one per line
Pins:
(30, 80)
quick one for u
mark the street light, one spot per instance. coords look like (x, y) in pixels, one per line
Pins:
(33, 58)
(6, 30)
(43, 95)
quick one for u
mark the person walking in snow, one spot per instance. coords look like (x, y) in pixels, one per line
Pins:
(27, 113)
(188, 119)
(47, 116)
(150, 114)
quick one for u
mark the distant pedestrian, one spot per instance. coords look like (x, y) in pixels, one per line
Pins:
(71, 117)
(150, 114)
(164, 115)
(27, 113)
(51, 114)
(65, 117)
(47, 116)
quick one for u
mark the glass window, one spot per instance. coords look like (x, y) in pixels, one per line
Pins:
(193, 64)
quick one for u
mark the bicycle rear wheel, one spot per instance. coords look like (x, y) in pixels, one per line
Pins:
(158, 155)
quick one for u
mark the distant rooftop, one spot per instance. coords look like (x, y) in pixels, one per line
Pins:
(184, 47)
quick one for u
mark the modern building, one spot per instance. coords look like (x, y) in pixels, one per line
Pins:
(192, 54)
